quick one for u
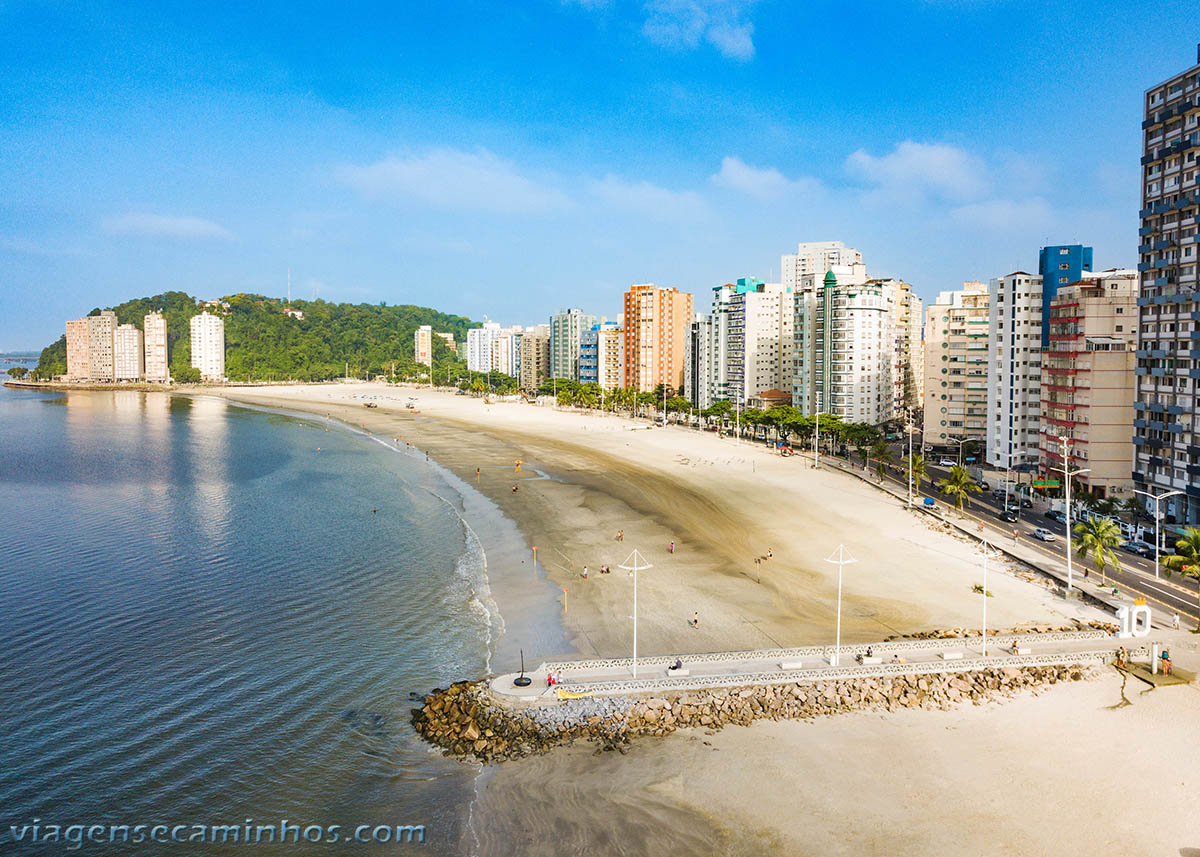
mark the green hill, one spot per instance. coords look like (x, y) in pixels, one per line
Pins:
(262, 343)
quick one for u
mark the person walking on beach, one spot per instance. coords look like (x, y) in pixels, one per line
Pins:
(672, 547)
(584, 575)
(695, 623)
(1175, 621)
(770, 554)
(514, 489)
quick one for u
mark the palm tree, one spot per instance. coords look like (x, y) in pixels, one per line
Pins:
(1100, 537)
(1187, 556)
(920, 470)
(958, 485)
(881, 454)
(477, 386)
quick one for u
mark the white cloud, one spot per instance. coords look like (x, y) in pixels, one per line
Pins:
(162, 226)
(1002, 214)
(454, 180)
(763, 183)
(685, 24)
(647, 198)
(920, 170)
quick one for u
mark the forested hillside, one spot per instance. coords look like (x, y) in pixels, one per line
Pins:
(264, 343)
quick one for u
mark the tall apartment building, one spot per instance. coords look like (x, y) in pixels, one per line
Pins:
(423, 345)
(479, 346)
(1167, 433)
(566, 331)
(1058, 266)
(101, 329)
(601, 355)
(697, 362)
(908, 363)
(208, 345)
(806, 299)
(1014, 371)
(157, 361)
(78, 366)
(657, 321)
(535, 358)
(129, 355)
(758, 352)
(1088, 381)
(956, 365)
(853, 341)
(506, 351)
(812, 260)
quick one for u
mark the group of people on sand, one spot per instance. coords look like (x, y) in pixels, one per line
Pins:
(553, 678)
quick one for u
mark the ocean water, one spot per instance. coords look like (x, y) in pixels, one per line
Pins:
(212, 616)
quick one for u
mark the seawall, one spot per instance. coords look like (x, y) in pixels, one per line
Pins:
(466, 721)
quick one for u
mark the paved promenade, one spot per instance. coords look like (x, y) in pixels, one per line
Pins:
(601, 677)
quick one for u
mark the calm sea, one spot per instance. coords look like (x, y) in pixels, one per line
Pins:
(204, 620)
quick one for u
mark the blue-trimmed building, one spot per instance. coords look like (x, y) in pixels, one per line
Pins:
(1060, 265)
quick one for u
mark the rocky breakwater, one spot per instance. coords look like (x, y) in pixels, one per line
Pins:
(466, 721)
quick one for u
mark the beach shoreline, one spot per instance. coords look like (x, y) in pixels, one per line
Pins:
(864, 783)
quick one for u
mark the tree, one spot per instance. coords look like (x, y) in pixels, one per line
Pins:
(186, 375)
(1100, 537)
(18, 372)
(861, 436)
(1186, 558)
(919, 468)
(958, 485)
(881, 454)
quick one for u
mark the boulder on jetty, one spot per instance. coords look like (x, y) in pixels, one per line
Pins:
(466, 721)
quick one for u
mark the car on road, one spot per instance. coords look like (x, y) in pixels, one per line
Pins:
(1026, 503)
(946, 462)
(1044, 535)
(1055, 515)
(1008, 515)
(1139, 547)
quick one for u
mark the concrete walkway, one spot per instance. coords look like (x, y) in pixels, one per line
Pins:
(814, 663)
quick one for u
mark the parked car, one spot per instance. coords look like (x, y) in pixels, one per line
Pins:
(1008, 515)
(946, 462)
(1044, 535)
(982, 483)
(1139, 547)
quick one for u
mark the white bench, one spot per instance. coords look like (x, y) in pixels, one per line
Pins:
(671, 672)
(791, 665)
(951, 656)
(874, 659)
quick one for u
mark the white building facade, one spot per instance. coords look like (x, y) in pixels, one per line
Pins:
(129, 356)
(956, 365)
(566, 333)
(1014, 367)
(154, 328)
(208, 345)
(479, 346)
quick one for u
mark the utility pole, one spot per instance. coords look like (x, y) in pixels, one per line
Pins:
(1065, 442)
(909, 427)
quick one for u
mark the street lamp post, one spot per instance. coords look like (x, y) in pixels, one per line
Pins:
(1157, 521)
(1068, 475)
(843, 559)
(634, 564)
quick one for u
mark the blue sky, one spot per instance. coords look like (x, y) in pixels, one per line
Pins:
(510, 158)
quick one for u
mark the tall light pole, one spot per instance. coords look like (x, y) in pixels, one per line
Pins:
(634, 564)
(1068, 474)
(843, 559)
(988, 553)
(910, 429)
(1157, 521)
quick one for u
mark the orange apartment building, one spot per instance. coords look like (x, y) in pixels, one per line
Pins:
(657, 320)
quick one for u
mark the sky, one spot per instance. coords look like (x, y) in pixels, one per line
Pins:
(510, 158)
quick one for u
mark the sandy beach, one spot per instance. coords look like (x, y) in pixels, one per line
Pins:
(957, 782)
